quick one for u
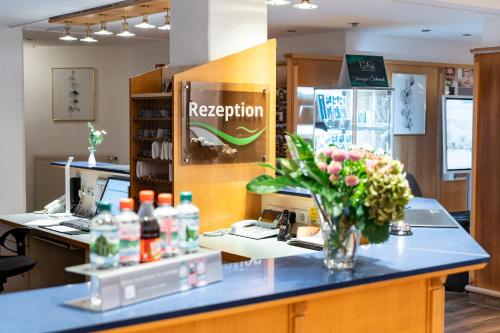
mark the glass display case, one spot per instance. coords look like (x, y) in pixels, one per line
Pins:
(361, 117)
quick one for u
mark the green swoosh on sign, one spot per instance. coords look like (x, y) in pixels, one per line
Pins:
(246, 129)
(229, 138)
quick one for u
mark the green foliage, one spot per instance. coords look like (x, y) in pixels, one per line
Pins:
(376, 198)
(95, 137)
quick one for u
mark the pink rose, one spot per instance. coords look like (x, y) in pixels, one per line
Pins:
(329, 151)
(354, 155)
(352, 180)
(339, 155)
(334, 168)
(333, 178)
(322, 166)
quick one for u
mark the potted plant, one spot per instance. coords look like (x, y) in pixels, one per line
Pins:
(95, 139)
(357, 192)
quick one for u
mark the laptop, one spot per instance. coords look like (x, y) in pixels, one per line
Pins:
(115, 189)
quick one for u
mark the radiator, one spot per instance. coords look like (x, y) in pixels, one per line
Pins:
(49, 180)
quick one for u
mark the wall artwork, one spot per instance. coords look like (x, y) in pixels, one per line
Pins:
(73, 94)
(409, 104)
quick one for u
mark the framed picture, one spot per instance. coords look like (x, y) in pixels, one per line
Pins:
(73, 94)
(409, 104)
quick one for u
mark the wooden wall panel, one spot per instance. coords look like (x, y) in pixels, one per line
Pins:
(220, 190)
(486, 163)
(421, 154)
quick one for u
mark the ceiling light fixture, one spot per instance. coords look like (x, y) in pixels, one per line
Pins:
(67, 36)
(305, 4)
(104, 31)
(167, 25)
(145, 23)
(125, 32)
(277, 2)
(88, 36)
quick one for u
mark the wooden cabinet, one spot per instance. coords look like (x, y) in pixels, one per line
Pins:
(486, 161)
(151, 119)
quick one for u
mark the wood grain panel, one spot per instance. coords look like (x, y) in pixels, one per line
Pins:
(486, 163)
(413, 304)
(220, 190)
(419, 153)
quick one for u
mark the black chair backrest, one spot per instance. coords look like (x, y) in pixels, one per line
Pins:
(415, 189)
(19, 235)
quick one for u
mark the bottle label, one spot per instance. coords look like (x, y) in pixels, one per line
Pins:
(150, 249)
(130, 235)
(104, 248)
(169, 235)
(188, 232)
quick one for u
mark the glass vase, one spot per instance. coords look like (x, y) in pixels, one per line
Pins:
(340, 240)
(92, 162)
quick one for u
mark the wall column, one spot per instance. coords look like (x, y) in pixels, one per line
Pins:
(205, 30)
(12, 149)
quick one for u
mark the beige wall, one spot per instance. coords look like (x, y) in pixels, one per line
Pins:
(12, 181)
(114, 65)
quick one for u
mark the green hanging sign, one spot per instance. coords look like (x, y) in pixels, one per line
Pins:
(363, 71)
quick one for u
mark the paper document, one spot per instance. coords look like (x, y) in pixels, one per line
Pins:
(43, 222)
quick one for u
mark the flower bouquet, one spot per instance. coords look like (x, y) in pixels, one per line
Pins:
(95, 139)
(357, 192)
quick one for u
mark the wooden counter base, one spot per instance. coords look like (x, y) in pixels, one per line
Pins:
(413, 304)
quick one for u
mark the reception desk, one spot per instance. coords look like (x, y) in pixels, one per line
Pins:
(395, 287)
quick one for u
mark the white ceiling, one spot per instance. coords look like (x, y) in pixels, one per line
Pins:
(448, 19)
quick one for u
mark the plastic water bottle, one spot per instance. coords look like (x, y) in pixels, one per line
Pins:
(150, 230)
(189, 226)
(130, 233)
(104, 239)
(166, 215)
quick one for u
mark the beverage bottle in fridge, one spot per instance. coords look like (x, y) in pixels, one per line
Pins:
(188, 217)
(150, 230)
(130, 233)
(166, 215)
(104, 239)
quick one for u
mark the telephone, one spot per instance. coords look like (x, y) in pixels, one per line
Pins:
(56, 206)
(242, 224)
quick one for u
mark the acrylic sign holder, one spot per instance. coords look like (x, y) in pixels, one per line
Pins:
(128, 285)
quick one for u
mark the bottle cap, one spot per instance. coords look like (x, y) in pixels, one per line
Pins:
(147, 196)
(186, 196)
(126, 203)
(104, 206)
(165, 199)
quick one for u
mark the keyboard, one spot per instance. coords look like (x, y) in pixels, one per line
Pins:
(77, 223)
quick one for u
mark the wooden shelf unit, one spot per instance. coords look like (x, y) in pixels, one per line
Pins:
(146, 94)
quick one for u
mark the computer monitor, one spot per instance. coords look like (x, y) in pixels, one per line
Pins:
(116, 189)
(457, 134)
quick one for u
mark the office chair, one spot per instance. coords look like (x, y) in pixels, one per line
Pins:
(14, 265)
(415, 189)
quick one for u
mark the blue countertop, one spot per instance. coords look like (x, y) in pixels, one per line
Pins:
(121, 169)
(428, 250)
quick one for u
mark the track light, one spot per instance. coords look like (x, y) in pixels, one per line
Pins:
(145, 23)
(88, 36)
(104, 31)
(277, 2)
(166, 26)
(305, 4)
(67, 36)
(125, 32)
